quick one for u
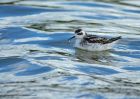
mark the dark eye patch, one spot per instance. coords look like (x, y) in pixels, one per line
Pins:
(78, 30)
(80, 33)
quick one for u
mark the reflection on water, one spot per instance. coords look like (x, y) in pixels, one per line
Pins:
(103, 57)
(37, 61)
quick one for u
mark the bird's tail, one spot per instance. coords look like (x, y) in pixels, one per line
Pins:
(115, 39)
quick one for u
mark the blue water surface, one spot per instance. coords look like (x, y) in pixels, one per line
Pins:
(37, 60)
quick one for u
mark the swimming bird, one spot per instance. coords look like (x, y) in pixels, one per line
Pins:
(93, 42)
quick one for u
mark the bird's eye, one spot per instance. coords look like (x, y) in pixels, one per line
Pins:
(80, 33)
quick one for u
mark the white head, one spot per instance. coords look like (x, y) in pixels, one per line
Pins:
(79, 34)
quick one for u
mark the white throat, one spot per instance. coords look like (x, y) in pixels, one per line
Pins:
(78, 41)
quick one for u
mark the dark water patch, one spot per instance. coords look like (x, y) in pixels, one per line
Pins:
(18, 32)
(130, 48)
(23, 68)
(122, 2)
(8, 69)
(20, 10)
(10, 64)
(48, 26)
(134, 44)
(10, 10)
(15, 33)
(132, 54)
(62, 53)
(9, 61)
(6, 2)
(101, 17)
(50, 52)
(132, 11)
(132, 68)
(88, 84)
(69, 78)
(90, 96)
(17, 82)
(96, 70)
(41, 26)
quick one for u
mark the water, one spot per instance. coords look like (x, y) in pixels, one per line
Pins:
(37, 62)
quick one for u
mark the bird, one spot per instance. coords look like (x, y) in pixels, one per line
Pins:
(90, 42)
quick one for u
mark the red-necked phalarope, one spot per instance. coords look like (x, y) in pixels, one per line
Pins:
(93, 42)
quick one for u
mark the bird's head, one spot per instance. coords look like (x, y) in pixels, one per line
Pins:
(79, 33)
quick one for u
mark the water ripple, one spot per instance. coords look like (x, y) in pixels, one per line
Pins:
(37, 61)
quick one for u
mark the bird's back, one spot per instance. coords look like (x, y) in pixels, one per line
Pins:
(102, 40)
(96, 43)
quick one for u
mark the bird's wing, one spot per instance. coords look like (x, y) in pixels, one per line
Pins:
(102, 40)
(96, 40)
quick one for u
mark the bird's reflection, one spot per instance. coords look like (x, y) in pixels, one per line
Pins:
(99, 57)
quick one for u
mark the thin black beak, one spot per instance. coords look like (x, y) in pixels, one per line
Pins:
(71, 38)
